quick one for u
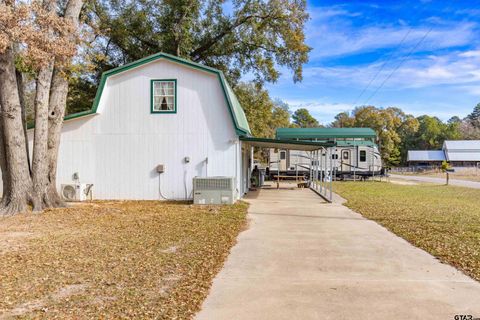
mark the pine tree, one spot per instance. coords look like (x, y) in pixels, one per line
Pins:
(474, 117)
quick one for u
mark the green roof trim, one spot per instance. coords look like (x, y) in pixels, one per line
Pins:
(324, 133)
(235, 109)
(354, 143)
(289, 144)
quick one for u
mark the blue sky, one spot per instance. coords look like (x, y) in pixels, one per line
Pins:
(426, 54)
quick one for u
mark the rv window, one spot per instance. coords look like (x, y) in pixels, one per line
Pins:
(363, 155)
(283, 155)
(345, 155)
(163, 96)
(335, 156)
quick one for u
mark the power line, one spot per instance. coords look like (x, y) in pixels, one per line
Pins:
(383, 66)
(399, 65)
(419, 12)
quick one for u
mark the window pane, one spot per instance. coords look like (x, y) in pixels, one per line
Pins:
(163, 96)
(363, 156)
(156, 103)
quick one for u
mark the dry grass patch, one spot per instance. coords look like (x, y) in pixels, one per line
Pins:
(442, 220)
(133, 259)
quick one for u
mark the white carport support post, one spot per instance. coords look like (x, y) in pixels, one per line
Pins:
(320, 163)
(328, 171)
(331, 176)
(316, 169)
(251, 157)
(310, 168)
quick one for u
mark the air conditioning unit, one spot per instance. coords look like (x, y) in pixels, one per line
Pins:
(214, 190)
(76, 191)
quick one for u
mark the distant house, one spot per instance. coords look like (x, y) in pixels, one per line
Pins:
(459, 153)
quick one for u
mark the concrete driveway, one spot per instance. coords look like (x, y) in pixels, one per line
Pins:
(453, 182)
(305, 259)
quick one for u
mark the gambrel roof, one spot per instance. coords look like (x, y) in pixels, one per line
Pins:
(235, 109)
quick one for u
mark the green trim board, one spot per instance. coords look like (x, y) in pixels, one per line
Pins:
(152, 82)
(324, 133)
(354, 143)
(236, 112)
(288, 144)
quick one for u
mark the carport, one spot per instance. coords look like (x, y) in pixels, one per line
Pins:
(321, 174)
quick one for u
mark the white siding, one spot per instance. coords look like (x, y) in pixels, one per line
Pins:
(118, 149)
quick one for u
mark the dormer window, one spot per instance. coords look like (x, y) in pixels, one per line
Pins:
(164, 96)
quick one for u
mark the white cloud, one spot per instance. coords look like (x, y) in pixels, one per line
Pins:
(331, 35)
(454, 69)
(470, 54)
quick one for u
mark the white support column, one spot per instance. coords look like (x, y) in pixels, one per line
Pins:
(316, 169)
(327, 155)
(312, 177)
(331, 175)
(355, 149)
(251, 157)
(310, 165)
(373, 164)
(320, 163)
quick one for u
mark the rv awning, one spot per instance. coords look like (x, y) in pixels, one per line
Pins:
(287, 144)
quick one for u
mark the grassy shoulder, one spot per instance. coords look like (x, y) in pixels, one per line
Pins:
(132, 259)
(442, 220)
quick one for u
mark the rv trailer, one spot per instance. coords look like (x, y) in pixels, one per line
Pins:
(356, 153)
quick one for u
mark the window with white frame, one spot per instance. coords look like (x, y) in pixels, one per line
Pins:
(163, 94)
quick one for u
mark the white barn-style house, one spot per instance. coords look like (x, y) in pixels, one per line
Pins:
(160, 113)
(160, 110)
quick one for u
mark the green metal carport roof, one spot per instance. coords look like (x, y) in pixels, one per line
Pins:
(287, 144)
(324, 133)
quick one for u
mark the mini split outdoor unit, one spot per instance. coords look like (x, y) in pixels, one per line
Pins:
(214, 190)
(76, 191)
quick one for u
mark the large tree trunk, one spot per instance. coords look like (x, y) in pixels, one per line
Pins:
(58, 104)
(3, 166)
(19, 181)
(40, 143)
(23, 104)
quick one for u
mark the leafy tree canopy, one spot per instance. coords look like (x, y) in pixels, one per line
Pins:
(302, 118)
(255, 36)
(263, 114)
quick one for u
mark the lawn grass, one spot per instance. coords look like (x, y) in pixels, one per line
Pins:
(111, 260)
(442, 220)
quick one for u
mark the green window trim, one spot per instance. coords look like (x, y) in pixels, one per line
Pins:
(152, 110)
